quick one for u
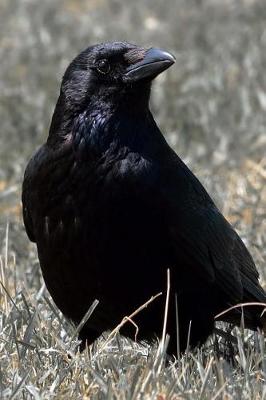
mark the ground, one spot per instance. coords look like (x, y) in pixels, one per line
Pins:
(211, 106)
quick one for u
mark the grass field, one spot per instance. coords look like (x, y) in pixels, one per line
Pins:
(212, 105)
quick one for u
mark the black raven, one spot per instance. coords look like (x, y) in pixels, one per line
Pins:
(112, 207)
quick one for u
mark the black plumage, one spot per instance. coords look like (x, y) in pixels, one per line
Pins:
(111, 207)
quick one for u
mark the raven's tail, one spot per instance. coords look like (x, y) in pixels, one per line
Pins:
(251, 312)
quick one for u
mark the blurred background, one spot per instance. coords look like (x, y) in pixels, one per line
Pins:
(211, 104)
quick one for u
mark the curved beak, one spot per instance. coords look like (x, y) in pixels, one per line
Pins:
(153, 63)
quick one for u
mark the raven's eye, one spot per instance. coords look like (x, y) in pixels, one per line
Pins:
(103, 66)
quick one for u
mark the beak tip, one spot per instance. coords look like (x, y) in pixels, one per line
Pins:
(160, 55)
(168, 56)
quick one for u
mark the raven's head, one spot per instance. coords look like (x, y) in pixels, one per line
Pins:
(113, 73)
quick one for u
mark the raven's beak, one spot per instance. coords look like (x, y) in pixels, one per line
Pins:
(154, 62)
